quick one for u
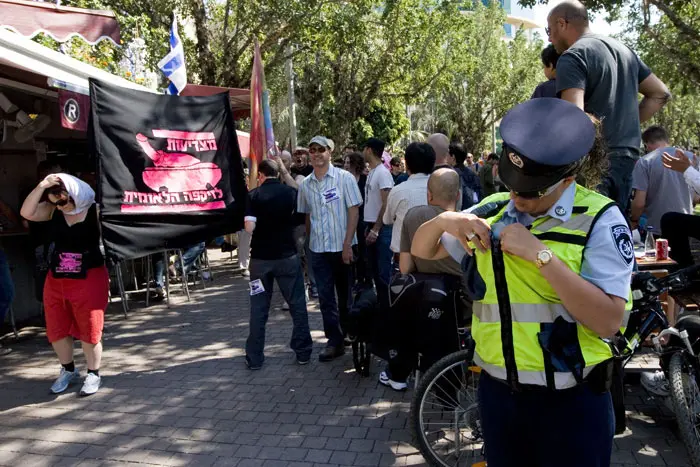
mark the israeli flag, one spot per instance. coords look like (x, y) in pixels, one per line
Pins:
(173, 64)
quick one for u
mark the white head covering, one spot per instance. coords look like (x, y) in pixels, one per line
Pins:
(83, 196)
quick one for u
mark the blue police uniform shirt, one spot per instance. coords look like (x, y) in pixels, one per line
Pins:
(608, 257)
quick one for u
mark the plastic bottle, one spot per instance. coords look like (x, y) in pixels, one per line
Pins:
(650, 243)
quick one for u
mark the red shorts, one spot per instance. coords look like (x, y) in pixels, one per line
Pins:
(76, 307)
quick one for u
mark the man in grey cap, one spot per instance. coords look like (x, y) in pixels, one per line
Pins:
(549, 267)
(330, 199)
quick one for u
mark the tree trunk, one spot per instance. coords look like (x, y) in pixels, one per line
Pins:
(204, 55)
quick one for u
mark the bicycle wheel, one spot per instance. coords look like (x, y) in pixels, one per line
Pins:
(444, 412)
(685, 395)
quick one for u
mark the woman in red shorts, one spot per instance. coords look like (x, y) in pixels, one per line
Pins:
(76, 289)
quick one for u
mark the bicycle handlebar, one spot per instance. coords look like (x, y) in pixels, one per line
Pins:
(646, 285)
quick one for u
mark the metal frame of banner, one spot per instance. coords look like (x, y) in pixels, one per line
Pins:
(122, 292)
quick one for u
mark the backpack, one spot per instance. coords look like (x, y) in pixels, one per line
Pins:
(360, 326)
(422, 317)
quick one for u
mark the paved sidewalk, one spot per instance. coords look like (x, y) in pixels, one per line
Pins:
(176, 392)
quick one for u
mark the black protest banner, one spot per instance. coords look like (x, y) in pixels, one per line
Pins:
(169, 169)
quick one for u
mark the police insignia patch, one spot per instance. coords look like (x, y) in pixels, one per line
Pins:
(623, 242)
(516, 160)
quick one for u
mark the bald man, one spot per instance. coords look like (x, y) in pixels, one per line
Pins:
(443, 159)
(603, 77)
(441, 146)
(443, 190)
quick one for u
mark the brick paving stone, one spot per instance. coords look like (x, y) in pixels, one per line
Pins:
(177, 392)
(343, 458)
(318, 455)
(337, 444)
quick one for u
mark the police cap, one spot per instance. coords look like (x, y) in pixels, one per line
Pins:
(544, 141)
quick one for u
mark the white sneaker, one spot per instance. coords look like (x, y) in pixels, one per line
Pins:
(91, 384)
(655, 382)
(387, 381)
(245, 273)
(285, 306)
(65, 379)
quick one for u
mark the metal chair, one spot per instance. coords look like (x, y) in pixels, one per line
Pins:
(200, 266)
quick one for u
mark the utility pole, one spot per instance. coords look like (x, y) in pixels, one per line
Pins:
(289, 68)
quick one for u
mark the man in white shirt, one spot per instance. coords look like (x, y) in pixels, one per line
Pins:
(420, 159)
(378, 236)
(677, 227)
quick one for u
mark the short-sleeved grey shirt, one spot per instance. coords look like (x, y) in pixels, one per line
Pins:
(609, 72)
(667, 190)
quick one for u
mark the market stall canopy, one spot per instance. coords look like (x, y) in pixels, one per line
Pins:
(240, 98)
(30, 18)
(62, 71)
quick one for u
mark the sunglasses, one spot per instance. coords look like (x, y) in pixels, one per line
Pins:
(317, 150)
(60, 202)
(536, 194)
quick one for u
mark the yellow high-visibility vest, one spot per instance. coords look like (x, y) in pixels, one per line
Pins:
(507, 334)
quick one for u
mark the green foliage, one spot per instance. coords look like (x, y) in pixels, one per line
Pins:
(374, 57)
(487, 76)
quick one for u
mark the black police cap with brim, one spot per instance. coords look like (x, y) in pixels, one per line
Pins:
(542, 139)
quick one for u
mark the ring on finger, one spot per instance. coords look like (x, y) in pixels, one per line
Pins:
(470, 235)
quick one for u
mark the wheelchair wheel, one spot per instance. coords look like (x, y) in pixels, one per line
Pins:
(445, 419)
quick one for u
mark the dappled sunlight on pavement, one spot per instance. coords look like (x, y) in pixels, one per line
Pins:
(176, 392)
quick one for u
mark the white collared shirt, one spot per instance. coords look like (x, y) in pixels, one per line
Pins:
(411, 193)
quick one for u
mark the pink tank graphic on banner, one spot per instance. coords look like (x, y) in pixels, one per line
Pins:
(180, 181)
(177, 171)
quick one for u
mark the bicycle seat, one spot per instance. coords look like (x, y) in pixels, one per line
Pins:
(690, 323)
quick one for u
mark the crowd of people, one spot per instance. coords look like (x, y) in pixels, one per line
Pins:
(538, 236)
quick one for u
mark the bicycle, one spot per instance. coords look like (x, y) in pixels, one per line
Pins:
(444, 409)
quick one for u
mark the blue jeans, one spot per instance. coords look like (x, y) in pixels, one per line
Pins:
(290, 280)
(381, 258)
(7, 287)
(189, 256)
(332, 275)
(617, 183)
(540, 428)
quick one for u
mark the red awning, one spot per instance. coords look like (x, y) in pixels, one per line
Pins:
(30, 18)
(240, 98)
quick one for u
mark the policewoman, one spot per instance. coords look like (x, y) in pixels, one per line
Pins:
(549, 265)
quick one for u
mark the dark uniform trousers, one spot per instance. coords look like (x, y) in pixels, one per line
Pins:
(540, 428)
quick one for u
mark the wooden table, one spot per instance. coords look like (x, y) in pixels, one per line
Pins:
(648, 263)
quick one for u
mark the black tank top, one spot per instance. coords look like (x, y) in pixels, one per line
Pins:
(77, 247)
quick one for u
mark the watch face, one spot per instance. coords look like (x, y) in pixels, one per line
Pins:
(544, 256)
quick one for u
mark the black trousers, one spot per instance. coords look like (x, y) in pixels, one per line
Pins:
(677, 228)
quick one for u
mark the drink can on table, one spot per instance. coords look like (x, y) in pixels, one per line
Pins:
(661, 249)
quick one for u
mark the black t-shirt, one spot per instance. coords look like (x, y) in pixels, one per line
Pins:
(82, 238)
(273, 205)
(546, 89)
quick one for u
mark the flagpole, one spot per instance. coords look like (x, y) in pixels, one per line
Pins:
(290, 90)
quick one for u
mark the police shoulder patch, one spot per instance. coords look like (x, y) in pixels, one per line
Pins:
(623, 242)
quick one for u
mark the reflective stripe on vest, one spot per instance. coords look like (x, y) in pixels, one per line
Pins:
(529, 313)
(535, 378)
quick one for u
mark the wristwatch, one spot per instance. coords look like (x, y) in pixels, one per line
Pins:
(544, 257)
